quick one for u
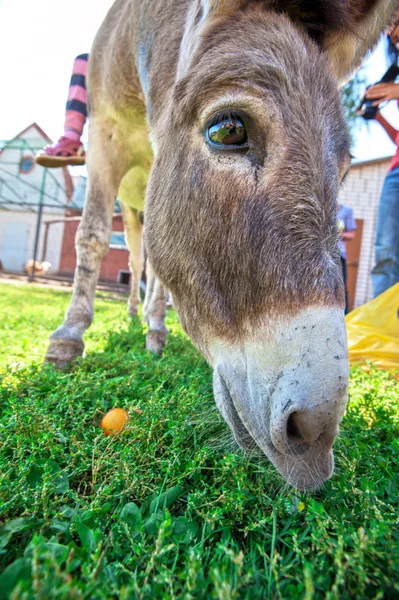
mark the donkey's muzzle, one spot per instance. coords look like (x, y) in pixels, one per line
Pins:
(285, 392)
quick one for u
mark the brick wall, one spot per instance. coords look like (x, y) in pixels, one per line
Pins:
(113, 262)
(361, 191)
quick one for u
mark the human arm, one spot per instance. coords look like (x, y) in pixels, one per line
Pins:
(390, 130)
(348, 230)
(348, 235)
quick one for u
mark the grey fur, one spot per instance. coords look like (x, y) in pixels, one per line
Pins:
(247, 242)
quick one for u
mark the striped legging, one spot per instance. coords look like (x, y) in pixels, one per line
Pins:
(76, 107)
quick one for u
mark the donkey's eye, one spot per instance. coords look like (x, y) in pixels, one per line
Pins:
(227, 134)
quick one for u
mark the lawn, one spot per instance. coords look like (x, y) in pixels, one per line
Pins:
(171, 508)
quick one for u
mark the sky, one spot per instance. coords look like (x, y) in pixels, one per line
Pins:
(39, 40)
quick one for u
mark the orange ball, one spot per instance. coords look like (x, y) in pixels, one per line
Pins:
(114, 421)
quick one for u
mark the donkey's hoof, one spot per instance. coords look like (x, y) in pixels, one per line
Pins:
(155, 341)
(63, 352)
(133, 310)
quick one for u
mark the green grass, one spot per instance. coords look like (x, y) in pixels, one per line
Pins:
(171, 508)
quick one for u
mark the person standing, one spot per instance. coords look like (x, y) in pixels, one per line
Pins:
(347, 230)
(386, 247)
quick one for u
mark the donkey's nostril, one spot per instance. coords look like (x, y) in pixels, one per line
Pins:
(293, 431)
(301, 429)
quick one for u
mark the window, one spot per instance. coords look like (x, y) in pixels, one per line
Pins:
(124, 277)
(117, 241)
(26, 164)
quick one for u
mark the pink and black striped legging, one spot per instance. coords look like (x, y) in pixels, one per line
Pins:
(76, 108)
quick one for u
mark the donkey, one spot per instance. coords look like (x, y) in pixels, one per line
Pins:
(241, 103)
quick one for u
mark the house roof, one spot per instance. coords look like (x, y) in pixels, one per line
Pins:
(371, 161)
(38, 128)
(67, 176)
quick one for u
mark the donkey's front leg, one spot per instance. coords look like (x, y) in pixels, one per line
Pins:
(92, 243)
(155, 311)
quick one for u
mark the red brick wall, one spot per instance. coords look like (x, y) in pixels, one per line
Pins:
(113, 262)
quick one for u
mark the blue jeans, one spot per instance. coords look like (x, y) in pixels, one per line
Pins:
(386, 247)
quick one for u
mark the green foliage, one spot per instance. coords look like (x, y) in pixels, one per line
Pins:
(351, 94)
(170, 508)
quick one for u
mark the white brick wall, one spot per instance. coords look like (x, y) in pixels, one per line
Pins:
(25, 189)
(361, 191)
(55, 235)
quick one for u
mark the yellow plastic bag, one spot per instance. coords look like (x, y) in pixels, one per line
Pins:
(373, 331)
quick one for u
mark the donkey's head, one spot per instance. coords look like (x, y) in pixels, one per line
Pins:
(241, 221)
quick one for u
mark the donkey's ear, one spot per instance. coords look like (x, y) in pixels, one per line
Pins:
(345, 29)
(346, 49)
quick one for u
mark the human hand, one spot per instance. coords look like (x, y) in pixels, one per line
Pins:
(360, 113)
(382, 92)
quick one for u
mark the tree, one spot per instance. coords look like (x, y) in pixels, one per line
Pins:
(351, 94)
